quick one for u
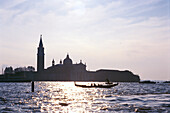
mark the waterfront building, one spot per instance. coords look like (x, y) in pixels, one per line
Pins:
(66, 70)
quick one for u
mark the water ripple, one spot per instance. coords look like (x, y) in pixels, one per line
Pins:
(65, 97)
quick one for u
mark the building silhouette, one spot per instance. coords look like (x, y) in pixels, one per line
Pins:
(40, 56)
(67, 71)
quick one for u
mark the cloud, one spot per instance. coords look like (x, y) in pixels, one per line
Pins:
(7, 4)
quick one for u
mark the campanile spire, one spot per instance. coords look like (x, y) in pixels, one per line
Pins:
(40, 44)
(40, 56)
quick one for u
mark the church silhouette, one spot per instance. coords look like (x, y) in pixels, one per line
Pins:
(67, 71)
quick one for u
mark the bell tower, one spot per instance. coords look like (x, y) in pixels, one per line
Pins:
(40, 56)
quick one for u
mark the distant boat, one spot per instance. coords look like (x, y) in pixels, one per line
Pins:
(96, 86)
(166, 82)
(148, 82)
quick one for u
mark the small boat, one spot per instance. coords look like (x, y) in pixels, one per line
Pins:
(148, 82)
(96, 86)
(166, 82)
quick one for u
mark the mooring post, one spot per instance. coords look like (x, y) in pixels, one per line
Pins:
(32, 86)
(32, 83)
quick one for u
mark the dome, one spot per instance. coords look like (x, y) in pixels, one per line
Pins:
(67, 60)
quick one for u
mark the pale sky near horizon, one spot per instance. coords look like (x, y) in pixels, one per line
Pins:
(105, 34)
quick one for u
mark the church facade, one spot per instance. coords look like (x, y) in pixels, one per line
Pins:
(67, 71)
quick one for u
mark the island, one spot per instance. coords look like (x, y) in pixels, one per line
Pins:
(65, 70)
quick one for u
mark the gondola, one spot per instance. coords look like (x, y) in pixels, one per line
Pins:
(96, 86)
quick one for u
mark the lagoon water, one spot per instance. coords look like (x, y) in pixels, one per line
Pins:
(65, 97)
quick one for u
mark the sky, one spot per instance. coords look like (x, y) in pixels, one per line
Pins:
(105, 34)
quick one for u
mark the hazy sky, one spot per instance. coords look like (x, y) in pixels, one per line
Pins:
(112, 34)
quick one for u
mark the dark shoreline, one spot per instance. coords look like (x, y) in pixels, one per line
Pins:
(57, 81)
(21, 81)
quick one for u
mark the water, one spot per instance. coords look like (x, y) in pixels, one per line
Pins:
(65, 97)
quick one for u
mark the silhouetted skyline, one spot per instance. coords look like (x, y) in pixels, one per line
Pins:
(66, 70)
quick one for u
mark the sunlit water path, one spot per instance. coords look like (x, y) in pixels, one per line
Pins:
(65, 97)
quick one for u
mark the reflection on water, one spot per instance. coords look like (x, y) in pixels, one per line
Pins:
(65, 97)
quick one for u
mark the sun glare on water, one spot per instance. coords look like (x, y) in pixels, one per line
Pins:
(64, 96)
